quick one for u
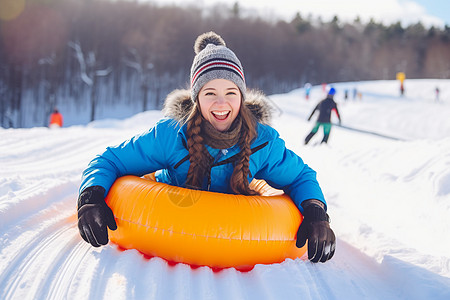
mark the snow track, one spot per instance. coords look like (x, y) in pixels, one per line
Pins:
(374, 200)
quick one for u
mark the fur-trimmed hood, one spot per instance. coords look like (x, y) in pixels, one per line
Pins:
(178, 105)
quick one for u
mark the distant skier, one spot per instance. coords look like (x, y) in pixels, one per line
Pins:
(437, 94)
(308, 87)
(324, 107)
(56, 119)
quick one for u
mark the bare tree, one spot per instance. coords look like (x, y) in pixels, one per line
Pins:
(49, 81)
(89, 72)
(144, 69)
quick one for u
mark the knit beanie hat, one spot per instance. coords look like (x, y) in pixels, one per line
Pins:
(213, 60)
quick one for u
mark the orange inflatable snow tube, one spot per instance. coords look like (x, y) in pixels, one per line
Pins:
(203, 228)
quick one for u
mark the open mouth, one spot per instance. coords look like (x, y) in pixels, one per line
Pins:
(221, 115)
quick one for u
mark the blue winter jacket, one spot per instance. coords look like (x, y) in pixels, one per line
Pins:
(162, 149)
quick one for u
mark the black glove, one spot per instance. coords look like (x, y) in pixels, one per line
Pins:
(316, 229)
(94, 215)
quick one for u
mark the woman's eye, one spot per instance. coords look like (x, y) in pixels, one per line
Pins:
(231, 93)
(209, 94)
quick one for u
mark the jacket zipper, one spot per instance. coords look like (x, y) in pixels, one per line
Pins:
(216, 159)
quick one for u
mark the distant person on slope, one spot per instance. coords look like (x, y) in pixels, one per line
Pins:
(325, 107)
(56, 119)
(308, 87)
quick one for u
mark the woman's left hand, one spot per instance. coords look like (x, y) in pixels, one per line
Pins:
(316, 229)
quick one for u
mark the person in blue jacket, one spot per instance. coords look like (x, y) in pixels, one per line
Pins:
(213, 137)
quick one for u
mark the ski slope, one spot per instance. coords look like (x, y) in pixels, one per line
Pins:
(389, 201)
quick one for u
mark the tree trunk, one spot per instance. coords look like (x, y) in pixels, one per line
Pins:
(93, 97)
(144, 88)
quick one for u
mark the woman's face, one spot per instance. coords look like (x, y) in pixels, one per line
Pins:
(220, 102)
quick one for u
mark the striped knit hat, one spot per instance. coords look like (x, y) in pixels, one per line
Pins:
(214, 60)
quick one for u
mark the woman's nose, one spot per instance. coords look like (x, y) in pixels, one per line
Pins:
(221, 99)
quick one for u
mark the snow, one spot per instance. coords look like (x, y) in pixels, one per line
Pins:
(389, 201)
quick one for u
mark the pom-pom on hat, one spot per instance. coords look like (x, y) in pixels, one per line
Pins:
(213, 60)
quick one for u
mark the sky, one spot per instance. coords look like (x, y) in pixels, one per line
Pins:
(429, 12)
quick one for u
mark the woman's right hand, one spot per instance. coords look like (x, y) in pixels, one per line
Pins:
(94, 216)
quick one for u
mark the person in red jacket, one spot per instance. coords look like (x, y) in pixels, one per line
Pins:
(56, 119)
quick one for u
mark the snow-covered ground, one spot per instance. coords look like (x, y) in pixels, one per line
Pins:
(389, 201)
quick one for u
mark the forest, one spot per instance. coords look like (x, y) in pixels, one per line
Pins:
(88, 54)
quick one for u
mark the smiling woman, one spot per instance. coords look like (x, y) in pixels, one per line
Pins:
(214, 139)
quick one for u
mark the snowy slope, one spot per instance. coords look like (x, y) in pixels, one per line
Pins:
(389, 201)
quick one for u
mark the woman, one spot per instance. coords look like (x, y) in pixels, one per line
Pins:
(214, 138)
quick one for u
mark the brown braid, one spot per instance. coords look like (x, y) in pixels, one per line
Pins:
(239, 179)
(197, 150)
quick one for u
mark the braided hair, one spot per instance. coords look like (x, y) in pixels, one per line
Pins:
(239, 179)
(197, 150)
(200, 159)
